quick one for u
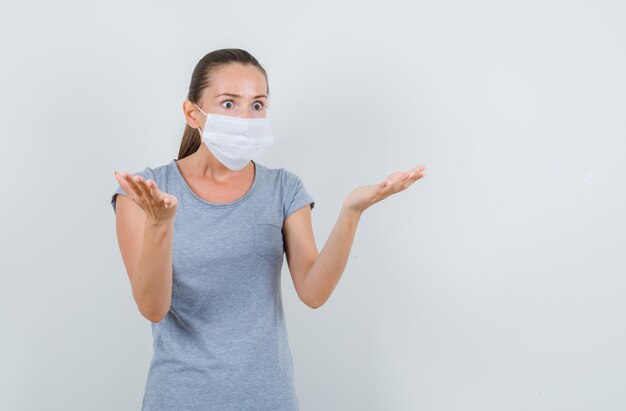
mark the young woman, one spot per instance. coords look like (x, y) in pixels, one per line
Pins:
(202, 239)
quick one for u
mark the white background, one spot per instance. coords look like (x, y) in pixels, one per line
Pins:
(495, 283)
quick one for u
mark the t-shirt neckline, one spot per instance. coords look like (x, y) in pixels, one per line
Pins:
(241, 199)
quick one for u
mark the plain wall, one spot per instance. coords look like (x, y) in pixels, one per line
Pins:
(495, 283)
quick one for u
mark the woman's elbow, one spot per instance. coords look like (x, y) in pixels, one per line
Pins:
(312, 303)
(154, 316)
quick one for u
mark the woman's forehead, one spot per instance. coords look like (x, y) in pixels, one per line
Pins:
(238, 79)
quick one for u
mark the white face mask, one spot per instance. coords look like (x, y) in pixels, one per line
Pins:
(235, 140)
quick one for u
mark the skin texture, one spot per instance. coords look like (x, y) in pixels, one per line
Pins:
(144, 221)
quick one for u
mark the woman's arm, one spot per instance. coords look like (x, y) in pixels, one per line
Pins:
(315, 275)
(145, 234)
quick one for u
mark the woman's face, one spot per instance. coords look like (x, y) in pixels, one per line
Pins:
(236, 90)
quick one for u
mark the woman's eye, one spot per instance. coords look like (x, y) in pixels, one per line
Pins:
(260, 105)
(227, 101)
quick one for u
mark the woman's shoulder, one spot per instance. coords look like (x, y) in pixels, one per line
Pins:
(160, 172)
(294, 192)
(290, 183)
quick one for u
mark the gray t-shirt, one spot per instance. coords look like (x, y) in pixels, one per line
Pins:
(223, 344)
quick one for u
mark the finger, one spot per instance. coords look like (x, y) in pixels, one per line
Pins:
(155, 192)
(128, 178)
(418, 172)
(151, 201)
(135, 182)
(121, 182)
(125, 184)
(168, 201)
(414, 177)
(145, 190)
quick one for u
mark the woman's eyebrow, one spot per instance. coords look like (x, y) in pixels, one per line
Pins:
(238, 96)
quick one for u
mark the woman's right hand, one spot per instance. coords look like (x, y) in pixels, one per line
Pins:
(159, 206)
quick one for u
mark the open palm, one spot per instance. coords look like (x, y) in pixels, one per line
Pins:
(158, 205)
(364, 197)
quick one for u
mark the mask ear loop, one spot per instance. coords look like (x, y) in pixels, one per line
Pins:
(199, 130)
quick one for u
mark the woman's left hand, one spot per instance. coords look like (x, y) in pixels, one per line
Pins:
(364, 197)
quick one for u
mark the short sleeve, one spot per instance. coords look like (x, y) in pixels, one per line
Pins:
(147, 174)
(295, 195)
